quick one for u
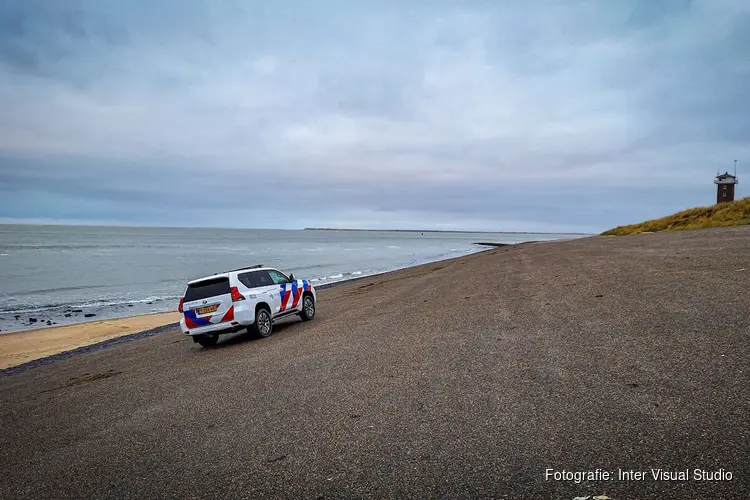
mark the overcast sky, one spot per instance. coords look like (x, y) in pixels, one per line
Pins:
(528, 115)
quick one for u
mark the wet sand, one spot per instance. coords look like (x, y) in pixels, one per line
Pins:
(465, 378)
(21, 347)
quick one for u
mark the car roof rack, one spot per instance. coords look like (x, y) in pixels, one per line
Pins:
(256, 266)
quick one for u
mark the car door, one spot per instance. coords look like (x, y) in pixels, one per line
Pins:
(268, 290)
(286, 290)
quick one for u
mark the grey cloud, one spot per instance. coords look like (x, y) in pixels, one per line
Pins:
(453, 111)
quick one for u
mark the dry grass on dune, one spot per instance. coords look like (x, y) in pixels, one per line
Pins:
(735, 213)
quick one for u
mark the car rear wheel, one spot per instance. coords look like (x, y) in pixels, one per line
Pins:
(207, 340)
(263, 327)
(308, 308)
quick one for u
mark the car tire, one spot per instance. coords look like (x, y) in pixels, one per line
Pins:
(308, 308)
(207, 340)
(263, 325)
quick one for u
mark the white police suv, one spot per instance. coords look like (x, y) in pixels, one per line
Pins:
(251, 297)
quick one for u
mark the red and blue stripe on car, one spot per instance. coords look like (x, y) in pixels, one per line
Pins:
(294, 292)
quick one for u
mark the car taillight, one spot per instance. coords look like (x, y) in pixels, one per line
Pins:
(236, 295)
(179, 308)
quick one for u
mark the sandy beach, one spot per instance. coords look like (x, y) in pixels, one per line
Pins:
(467, 378)
(21, 347)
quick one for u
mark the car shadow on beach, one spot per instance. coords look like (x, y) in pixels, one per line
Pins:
(242, 337)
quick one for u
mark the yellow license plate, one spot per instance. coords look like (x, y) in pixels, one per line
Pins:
(208, 309)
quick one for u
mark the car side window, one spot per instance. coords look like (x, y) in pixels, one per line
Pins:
(262, 278)
(278, 278)
(247, 280)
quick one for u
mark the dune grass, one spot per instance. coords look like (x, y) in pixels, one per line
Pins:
(735, 213)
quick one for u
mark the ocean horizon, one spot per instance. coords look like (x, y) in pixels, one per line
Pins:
(53, 223)
(64, 274)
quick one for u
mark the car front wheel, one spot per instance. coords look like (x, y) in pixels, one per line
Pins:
(308, 308)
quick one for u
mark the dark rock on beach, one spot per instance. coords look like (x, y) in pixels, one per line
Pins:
(89, 315)
(67, 315)
(32, 320)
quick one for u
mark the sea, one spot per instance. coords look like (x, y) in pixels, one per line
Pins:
(56, 275)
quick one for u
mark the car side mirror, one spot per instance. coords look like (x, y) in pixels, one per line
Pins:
(291, 277)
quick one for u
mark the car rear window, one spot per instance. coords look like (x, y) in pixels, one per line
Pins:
(207, 288)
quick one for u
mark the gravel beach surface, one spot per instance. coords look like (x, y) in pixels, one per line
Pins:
(466, 378)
